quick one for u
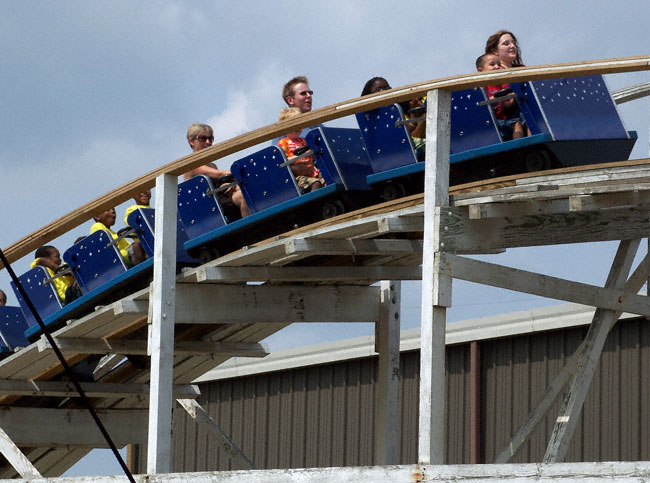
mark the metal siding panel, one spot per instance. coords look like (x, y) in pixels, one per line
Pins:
(286, 421)
(312, 436)
(274, 421)
(541, 376)
(328, 417)
(236, 426)
(630, 395)
(409, 410)
(488, 405)
(521, 386)
(259, 455)
(299, 407)
(364, 431)
(458, 401)
(345, 404)
(644, 400)
(354, 402)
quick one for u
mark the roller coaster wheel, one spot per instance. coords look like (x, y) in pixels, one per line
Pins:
(331, 209)
(392, 191)
(538, 160)
(208, 254)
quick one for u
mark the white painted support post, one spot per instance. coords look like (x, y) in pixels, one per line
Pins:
(16, 458)
(161, 340)
(436, 288)
(602, 323)
(387, 345)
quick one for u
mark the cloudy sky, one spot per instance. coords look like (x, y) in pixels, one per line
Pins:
(96, 93)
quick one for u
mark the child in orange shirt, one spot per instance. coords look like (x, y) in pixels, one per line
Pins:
(308, 177)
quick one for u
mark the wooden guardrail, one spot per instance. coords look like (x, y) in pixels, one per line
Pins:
(123, 193)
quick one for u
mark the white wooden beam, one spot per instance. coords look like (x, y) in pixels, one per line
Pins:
(387, 341)
(228, 304)
(436, 287)
(501, 210)
(401, 224)
(307, 274)
(610, 472)
(139, 347)
(462, 234)
(204, 304)
(601, 324)
(92, 389)
(72, 427)
(161, 341)
(352, 247)
(638, 199)
(16, 458)
(542, 285)
(564, 192)
(201, 416)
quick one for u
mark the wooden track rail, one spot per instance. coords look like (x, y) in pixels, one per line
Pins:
(58, 227)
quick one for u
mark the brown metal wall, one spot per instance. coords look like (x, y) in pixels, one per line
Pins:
(323, 415)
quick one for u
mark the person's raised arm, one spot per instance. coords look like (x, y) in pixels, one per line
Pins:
(209, 170)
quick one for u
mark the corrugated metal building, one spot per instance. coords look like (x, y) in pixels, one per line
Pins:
(314, 406)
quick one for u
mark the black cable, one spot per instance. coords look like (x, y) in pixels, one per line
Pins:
(69, 372)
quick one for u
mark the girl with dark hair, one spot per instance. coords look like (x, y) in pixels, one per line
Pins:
(374, 85)
(505, 45)
(510, 120)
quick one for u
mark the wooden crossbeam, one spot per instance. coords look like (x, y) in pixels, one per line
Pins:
(542, 285)
(602, 323)
(60, 427)
(92, 389)
(462, 234)
(227, 304)
(369, 274)
(633, 285)
(139, 347)
(353, 247)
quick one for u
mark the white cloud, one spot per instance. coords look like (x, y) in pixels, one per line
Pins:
(252, 106)
(236, 118)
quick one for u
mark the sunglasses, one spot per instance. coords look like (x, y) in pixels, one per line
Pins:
(204, 138)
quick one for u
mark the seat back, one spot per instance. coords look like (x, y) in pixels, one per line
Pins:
(12, 327)
(40, 291)
(94, 260)
(340, 155)
(199, 211)
(143, 221)
(388, 146)
(566, 104)
(262, 179)
(472, 124)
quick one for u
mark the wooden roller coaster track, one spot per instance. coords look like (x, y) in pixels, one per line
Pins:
(123, 193)
(354, 251)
